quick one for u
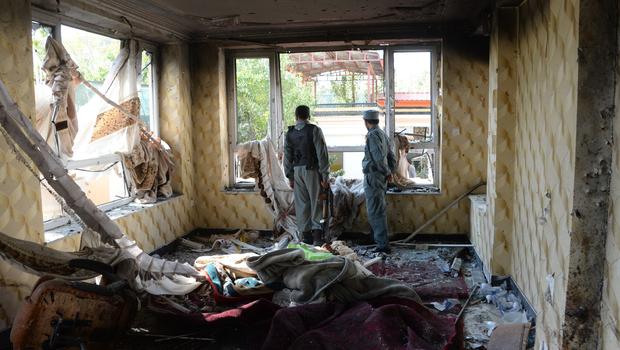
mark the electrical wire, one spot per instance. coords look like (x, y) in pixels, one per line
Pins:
(97, 171)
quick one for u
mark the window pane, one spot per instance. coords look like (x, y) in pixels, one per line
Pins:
(338, 86)
(423, 161)
(51, 208)
(101, 184)
(40, 33)
(146, 88)
(94, 54)
(412, 89)
(346, 164)
(253, 94)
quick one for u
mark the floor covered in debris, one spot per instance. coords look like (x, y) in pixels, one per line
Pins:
(446, 275)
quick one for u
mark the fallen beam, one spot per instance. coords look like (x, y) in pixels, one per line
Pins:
(23, 134)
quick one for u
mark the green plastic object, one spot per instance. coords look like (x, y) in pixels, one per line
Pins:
(311, 253)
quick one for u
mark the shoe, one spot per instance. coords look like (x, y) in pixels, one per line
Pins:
(307, 237)
(384, 250)
(317, 238)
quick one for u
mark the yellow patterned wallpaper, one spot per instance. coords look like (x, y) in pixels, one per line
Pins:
(463, 145)
(484, 240)
(465, 71)
(502, 115)
(20, 199)
(216, 208)
(544, 149)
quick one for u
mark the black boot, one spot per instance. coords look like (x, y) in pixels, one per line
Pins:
(385, 250)
(307, 237)
(317, 237)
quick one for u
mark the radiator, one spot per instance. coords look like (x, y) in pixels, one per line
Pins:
(479, 231)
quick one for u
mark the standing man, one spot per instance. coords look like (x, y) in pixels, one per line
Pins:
(378, 164)
(306, 164)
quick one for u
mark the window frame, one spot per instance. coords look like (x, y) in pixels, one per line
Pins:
(275, 106)
(154, 117)
(56, 23)
(436, 116)
(276, 118)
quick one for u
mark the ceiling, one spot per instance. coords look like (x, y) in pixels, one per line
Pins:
(272, 21)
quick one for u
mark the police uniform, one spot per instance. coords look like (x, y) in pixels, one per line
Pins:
(378, 163)
(306, 163)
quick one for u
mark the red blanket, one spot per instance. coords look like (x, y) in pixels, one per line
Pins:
(389, 323)
(427, 279)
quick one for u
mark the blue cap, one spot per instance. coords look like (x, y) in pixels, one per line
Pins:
(371, 115)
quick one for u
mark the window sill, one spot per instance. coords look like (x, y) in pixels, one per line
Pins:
(240, 190)
(418, 190)
(73, 228)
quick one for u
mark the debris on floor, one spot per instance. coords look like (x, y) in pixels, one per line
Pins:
(510, 336)
(422, 270)
(494, 307)
(281, 294)
(242, 280)
(340, 248)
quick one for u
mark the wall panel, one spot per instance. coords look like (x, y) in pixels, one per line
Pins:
(20, 198)
(544, 148)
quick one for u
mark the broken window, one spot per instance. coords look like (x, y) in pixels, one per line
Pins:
(123, 72)
(338, 86)
(94, 54)
(413, 116)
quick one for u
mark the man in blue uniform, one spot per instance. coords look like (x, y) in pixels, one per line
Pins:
(378, 164)
(306, 164)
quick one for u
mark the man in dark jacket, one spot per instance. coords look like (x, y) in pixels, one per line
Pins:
(306, 164)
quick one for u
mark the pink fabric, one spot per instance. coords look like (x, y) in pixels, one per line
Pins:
(254, 312)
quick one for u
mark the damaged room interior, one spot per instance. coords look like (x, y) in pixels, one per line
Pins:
(281, 174)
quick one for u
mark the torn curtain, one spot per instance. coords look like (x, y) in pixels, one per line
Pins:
(103, 128)
(56, 118)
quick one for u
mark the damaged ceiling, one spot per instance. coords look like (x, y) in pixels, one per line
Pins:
(273, 21)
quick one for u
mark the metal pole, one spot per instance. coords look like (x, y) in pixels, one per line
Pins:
(441, 212)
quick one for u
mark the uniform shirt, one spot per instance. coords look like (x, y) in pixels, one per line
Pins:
(319, 146)
(378, 154)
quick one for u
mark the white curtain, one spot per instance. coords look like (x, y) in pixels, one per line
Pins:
(120, 85)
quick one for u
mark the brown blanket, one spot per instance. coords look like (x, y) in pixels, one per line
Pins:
(150, 169)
